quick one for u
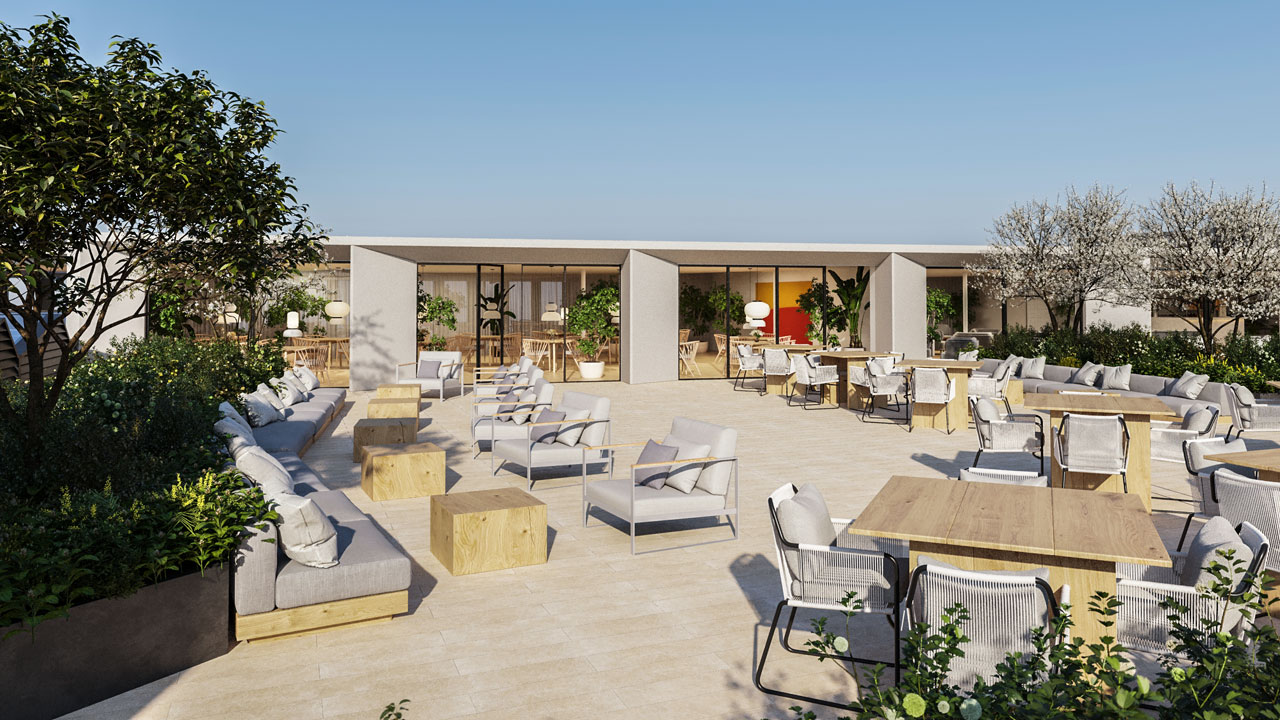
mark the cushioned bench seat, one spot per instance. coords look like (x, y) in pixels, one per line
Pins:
(302, 422)
(285, 436)
(368, 564)
(1056, 379)
(614, 496)
(305, 480)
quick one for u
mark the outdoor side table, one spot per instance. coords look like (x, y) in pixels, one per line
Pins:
(486, 530)
(399, 390)
(382, 407)
(381, 431)
(395, 472)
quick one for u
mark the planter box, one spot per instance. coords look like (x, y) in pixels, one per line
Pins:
(107, 647)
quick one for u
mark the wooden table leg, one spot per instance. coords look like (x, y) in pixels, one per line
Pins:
(1085, 577)
(776, 384)
(842, 385)
(960, 403)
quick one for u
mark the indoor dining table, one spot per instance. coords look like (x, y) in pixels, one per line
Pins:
(1137, 413)
(1076, 535)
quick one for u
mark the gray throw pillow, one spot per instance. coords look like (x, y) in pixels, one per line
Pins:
(306, 533)
(308, 377)
(508, 404)
(428, 368)
(1116, 378)
(296, 383)
(1198, 420)
(238, 437)
(1086, 375)
(265, 471)
(260, 411)
(804, 519)
(1032, 368)
(229, 411)
(1189, 386)
(685, 477)
(522, 412)
(654, 477)
(1244, 396)
(271, 396)
(571, 431)
(547, 434)
(287, 393)
(1014, 362)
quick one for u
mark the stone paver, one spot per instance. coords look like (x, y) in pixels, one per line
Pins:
(595, 632)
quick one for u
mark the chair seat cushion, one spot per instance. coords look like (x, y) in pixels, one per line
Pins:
(284, 436)
(544, 454)
(368, 564)
(614, 495)
(486, 429)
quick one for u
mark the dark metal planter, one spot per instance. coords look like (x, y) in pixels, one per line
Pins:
(107, 647)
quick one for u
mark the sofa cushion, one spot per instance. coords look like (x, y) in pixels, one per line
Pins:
(238, 438)
(305, 480)
(1215, 536)
(654, 477)
(1182, 406)
(1086, 375)
(337, 506)
(314, 413)
(685, 477)
(1116, 378)
(1058, 373)
(546, 434)
(614, 495)
(261, 412)
(572, 429)
(1188, 386)
(265, 471)
(1147, 384)
(336, 396)
(367, 564)
(306, 533)
(284, 436)
(1032, 368)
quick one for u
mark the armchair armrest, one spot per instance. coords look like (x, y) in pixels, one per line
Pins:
(406, 364)
(672, 463)
(616, 445)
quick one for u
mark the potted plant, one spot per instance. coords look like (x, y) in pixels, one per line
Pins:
(590, 317)
(435, 310)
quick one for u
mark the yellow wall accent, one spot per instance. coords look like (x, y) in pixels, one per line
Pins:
(788, 293)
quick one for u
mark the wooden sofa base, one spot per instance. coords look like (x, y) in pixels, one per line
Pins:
(309, 619)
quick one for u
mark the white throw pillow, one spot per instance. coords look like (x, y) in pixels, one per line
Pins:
(238, 437)
(306, 376)
(261, 412)
(296, 383)
(265, 471)
(1189, 386)
(306, 532)
(288, 395)
(685, 477)
(1086, 375)
(229, 411)
(570, 432)
(271, 396)
(522, 412)
(1116, 378)
(1032, 368)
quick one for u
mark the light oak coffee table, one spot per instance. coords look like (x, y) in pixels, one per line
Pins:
(399, 390)
(486, 530)
(408, 470)
(393, 408)
(381, 431)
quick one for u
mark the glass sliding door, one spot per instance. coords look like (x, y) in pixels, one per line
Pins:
(703, 343)
(593, 323)
(446, 310)
(793, 323)
(494, 344)
(542, 317)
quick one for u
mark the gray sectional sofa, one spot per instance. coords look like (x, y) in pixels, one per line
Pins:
(275, 595)
(1056, 378)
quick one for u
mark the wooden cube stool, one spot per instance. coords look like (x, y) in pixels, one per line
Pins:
(392, 408)
(381, 431)
(394, 472)
(399, 390)
(486, 530)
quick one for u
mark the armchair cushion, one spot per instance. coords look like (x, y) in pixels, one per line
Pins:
(1188, 386)
(723, 441)
(1032, 368)
(429, 368)
(1200, 420)
(547, 434)
(654, 477)
(685, 477)
(1116, 378)
(571, 430)
(614, 496)
(804, 519)
(1214, 536)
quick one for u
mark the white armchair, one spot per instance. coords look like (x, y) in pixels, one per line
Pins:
(569, 441)
(994, 386)
(932, 386)
(435, 370)
(815, 377)
(1093, 444)
(495, 419)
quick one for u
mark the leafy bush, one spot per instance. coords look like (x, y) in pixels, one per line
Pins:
(99, 544)
(1242, 359)
(1213, 675)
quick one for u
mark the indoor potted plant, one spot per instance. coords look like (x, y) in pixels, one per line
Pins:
(590, 317)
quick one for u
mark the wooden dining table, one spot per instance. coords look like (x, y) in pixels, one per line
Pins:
(1137, 413)
(331, 345)
(935, 416)
(841, 359)
(1077, 536)
(1266, 462)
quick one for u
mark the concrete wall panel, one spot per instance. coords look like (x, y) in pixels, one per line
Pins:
(384, 291)
(650, 319)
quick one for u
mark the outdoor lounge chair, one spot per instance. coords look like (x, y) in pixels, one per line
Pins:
(1012, 433)
(1003, 608)
(1242, 499)
(493, 382)
(695, 480)
(819, 563)
(1249, 413)
(1142, 624)
(879, 380)
(1093, 444)
(1200, 472)
(496, 419)
(814, 376)
(565, 442)
(448, 374)
(994, 387)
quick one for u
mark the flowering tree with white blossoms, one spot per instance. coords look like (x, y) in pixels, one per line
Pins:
(1066, 254)
(1214, 256)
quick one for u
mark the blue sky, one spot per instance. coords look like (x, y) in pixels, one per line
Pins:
(733, 121)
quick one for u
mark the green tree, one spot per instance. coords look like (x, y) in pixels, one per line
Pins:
(852, 292)
(435, 310)
(114, 179)
(940, 306)
(591, 318)
(818, 303)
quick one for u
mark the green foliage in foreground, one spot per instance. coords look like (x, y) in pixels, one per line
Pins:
(1212, 674)
(1240, 359)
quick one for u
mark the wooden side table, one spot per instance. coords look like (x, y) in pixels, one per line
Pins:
(395, 472)
(383, 407)
(486, 530)
(381, 431)
(399, 390)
